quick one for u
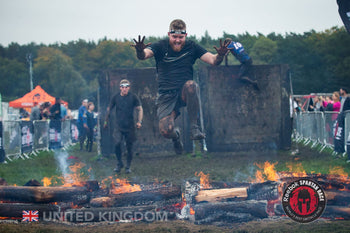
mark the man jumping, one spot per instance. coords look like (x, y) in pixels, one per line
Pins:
(174, 58)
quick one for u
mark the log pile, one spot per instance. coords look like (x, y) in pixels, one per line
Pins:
(80, 203)
(222, 203)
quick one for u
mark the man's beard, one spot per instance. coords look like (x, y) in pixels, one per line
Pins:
(177, 47)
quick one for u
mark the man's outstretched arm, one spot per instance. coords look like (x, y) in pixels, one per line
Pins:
(142, 52)
(216, 59)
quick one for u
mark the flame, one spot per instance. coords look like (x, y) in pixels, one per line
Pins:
(259, 178)
(76, 178)
(46, 181)
(104, 184)
(124, 187)
(10, 218)
(203, 180)
(338, 171)
(192, 212)
(296, 169)
(268, 173)
(74, 206)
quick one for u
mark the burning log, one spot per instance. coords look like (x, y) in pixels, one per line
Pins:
(336, 197)
(337, 212)
(261, 191)
(240, 211)
(138, 197)
(38, 194)
(14, 210)
(217, 195)
(326, 181)
(102, 202)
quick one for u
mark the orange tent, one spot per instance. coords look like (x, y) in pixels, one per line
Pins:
(36, 95)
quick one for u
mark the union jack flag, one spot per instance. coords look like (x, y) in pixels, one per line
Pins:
(30, 216)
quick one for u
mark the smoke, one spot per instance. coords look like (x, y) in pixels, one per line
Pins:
(61, 158)
(245, 173)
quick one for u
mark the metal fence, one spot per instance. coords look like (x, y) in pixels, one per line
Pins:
(21, 138)
(320, 128)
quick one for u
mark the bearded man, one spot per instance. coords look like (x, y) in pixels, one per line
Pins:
(174, 58)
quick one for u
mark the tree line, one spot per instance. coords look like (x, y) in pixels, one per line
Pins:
(319, 62)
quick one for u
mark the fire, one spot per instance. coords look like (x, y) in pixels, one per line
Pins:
(105, 181)
(296, 169)
(339, 171)
(203, 180)
(268, 172)
(181, 206)
(124, 187)
(192, 212)
(76, 178)
(74, 206)
(259, 178)
(46, 181)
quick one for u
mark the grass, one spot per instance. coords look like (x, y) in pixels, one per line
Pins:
(230, 167)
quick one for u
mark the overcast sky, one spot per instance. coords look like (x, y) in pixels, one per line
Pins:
(51, 21)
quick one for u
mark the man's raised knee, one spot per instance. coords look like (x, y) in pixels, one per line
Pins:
(191, 86)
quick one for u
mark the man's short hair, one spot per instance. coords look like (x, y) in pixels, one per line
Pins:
(85, 101)
(177, 25)
(344, 89)
(124, 81)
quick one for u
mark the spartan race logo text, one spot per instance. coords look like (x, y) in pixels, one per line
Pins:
(304, 200)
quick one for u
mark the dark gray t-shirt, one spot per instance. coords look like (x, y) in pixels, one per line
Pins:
(175, 68)
(124, 107)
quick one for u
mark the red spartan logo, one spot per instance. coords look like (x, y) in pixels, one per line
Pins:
(304, 200)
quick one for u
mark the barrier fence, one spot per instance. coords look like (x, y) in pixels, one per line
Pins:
(20, 138)
(324, 128)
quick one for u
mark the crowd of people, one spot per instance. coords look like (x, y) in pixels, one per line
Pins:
(324, 103)
(59, 112)
(337, 104)
(46, 111)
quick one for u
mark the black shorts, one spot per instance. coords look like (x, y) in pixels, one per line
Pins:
(169, 101)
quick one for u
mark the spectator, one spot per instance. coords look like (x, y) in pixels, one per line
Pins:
(23, 114)
(55, 124)
(45, 111)
(69, 114)
(343, 95)
(297, 105)
(333, 105)
(82, 123)
(91, 123)
(311, 106)
(318, 104)
(55, 110)
(35, 114)
(63, 111)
